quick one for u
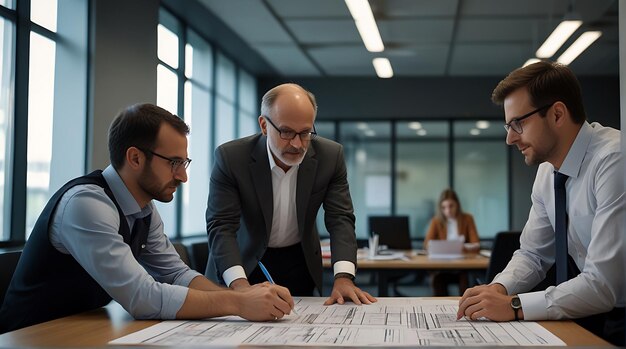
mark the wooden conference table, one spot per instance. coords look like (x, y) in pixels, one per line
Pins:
(472, 262)
(96, 328)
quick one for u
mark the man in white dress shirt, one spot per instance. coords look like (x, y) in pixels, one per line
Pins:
(545, 119)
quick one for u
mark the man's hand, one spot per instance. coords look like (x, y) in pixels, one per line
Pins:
(487, 301)
(344, 287)
(263, 302)
(239, 284)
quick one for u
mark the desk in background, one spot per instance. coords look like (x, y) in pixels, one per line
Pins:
(96, 328)
(383, 268)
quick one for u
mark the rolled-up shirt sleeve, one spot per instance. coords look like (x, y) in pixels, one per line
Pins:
(86, 224)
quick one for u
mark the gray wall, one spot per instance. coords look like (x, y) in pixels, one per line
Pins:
(123, 71)
(452, 97)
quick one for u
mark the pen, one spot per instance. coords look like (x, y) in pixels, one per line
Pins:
(269, 278)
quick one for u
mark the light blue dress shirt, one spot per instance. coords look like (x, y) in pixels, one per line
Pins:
(596, 207)
(85, 224)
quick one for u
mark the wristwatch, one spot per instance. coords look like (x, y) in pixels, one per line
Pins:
(516, 304)
(344, 275)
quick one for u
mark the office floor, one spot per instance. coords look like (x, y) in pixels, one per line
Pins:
(414, 284)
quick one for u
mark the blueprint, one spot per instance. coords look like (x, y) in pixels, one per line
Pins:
(388, 322)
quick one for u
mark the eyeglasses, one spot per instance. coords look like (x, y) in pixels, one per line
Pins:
(516, 124)
(175, 163)
(291, 134)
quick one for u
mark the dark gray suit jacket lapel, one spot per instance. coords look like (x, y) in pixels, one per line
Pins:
(262, 178)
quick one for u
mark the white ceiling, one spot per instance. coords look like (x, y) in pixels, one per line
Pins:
(421, 37)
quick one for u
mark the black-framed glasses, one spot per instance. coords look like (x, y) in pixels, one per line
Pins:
(516, 124)
(291, 134)
(176, 163)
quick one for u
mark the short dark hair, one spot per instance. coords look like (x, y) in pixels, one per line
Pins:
(138, 126)
(547, 82)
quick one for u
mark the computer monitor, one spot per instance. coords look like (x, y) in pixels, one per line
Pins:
(393, 231)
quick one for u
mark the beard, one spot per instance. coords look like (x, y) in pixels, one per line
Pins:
(290, 156)
(543, 151)
(149, 183)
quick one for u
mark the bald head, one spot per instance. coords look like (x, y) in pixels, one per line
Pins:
(287, 93)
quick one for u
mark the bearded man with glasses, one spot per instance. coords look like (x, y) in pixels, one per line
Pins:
(576, 222)
(264, 195)
(100, 237)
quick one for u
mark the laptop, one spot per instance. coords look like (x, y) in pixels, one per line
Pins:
(393, 231)
(445, 249)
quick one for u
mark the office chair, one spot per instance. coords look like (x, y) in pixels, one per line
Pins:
(8, 263)
(182, 252)
(393, 232)
(504, 244)
(199, 256)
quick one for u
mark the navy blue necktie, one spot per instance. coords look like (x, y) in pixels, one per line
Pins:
(560, 231)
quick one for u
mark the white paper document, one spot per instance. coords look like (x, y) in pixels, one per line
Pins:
(389, 322)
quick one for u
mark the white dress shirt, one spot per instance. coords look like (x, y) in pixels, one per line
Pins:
(452, 233)
(595, 232)
(284, 218)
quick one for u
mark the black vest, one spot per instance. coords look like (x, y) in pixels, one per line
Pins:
(48, 284)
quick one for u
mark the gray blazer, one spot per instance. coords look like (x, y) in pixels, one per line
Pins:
(240, 206)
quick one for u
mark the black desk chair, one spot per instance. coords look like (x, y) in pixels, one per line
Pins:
(8, 263)
(504, 244)
(199, 256)
(393, 232)
(182, 252)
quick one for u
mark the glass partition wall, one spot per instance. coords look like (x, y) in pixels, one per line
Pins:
(401, 167)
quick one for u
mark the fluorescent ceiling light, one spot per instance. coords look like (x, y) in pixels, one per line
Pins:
(362, 126)
(581, 44)
(415, 125)
(482, 124)
(474, 132)
(364, 19)
(560, 34)
(421, 132)
(531, 61)
(370, 133)
(382, 67)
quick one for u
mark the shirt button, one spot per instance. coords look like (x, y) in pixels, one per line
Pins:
(143, 246)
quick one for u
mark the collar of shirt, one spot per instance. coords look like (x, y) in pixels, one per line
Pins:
(576, 154)
(124, 198)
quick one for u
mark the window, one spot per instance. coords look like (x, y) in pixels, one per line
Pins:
(248, 116)
(40, 119)
(367, 147)
(225, 101)
(422, 170)
(56, 102)
(167, 97)
(425, 157)
(219, 103)
(480, 175)
(198, 87)
(7, 71)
